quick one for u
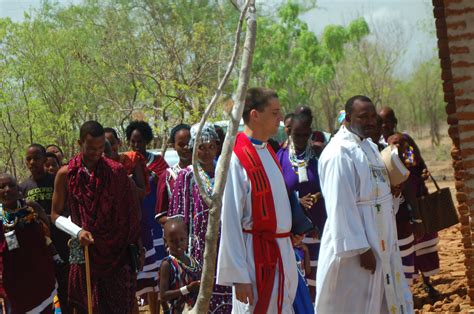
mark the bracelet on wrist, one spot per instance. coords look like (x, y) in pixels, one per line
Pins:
(416, 221)
(184, 290)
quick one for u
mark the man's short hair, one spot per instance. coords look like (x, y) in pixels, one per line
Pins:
(302, 117)
(38, 147)
(350, 103)
(391, 113)
(51, 155)
(114, 133)
(54, 145)
(304, 109)
(92, 128)
(257, 98)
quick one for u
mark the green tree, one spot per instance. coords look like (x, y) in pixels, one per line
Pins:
(290, 58)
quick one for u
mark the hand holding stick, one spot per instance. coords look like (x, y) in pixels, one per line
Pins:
(88, 279)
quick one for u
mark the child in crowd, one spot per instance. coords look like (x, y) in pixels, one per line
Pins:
(179, 272)
(56, 150)
(302, 303)
(52, 163)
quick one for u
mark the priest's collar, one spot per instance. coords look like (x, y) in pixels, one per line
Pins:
(257, 143)
(351, 134)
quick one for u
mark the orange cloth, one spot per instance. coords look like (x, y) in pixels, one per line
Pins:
(130, 160)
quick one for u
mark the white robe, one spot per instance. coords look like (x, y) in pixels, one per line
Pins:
(353, 181)
(235, 262)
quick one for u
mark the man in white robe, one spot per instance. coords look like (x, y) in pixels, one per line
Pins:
(359, 268)
(236, 263)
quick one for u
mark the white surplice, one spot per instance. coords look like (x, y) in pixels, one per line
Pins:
(235, 262)
(359, 206)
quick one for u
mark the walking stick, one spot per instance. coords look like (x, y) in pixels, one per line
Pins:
(88, 280)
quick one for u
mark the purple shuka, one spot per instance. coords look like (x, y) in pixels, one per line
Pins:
(317, 213)
(186, 201)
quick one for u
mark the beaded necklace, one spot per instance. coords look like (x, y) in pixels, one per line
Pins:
(300, 162)
(208, 181)
(193, 266)
(21, 215)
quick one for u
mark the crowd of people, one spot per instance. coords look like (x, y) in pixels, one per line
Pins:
(308, 225)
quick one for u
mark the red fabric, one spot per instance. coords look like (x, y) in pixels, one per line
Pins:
(28, 271)
(265, 247)
(318, 136)
(130, 160)
(103, 203)
(2, 247)
(114, 294)
(158, 165)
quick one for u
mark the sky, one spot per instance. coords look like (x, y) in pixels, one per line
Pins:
(413, 19)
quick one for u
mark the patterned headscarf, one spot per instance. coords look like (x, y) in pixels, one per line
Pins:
(208, 134)
(341, 116)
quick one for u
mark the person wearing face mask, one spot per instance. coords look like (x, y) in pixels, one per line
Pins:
(105, 217)
(359, 268)
(187, 201)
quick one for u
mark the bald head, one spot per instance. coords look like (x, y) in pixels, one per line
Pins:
(389, 122)
(176, 235)
(387, 112)
(173, 223)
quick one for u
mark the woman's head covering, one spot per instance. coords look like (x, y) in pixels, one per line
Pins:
(341, 116)
(208, 134)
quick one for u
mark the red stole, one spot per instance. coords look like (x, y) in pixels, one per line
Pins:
(265, 247)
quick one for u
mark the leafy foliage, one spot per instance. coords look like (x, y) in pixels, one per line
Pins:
(160, 60)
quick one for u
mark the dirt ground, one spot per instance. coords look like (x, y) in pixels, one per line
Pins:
(451, 282)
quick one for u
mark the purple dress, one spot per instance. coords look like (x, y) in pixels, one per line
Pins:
(187, 201)
(317, 213)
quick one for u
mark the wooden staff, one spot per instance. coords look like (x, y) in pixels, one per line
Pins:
(88, 279)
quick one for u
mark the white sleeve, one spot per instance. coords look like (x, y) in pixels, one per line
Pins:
(66, 225)
(338, 184)
(232, 260)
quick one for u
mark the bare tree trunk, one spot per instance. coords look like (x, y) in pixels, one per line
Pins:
(212, 233)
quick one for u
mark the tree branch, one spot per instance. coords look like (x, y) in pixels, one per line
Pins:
(213, 102)
(212, 233)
